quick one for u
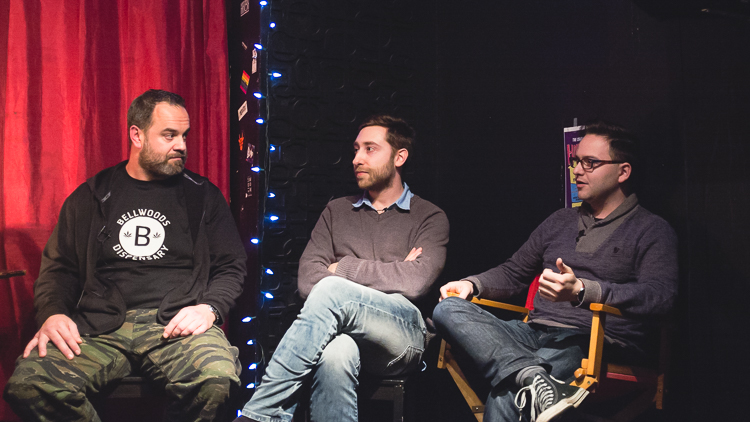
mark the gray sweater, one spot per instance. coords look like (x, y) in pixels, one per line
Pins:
(627, 260)
(370, 248)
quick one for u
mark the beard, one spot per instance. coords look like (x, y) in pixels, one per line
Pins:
(160, 167)
(378, 178)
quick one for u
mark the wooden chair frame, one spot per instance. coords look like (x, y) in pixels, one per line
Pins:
(590, 374)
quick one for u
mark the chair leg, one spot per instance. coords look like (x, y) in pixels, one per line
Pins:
(641, 404)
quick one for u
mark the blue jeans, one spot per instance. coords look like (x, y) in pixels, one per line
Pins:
(342, 326)
(499, 349)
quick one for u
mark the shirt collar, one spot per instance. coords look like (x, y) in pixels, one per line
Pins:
(403, 202)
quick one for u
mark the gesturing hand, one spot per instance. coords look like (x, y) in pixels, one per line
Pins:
(190, 320)
(62, 331)
(460, 288)
(562, 287)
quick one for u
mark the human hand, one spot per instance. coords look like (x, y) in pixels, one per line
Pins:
(413, 254)
(460, 288)
(62, 331)
(562, 287)
(332, 267)
(191, 320)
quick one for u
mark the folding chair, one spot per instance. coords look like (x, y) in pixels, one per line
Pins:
(593, 375)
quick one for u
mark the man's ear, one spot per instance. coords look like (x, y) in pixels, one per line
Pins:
(136, 136)
(625, 170)
(400, 158)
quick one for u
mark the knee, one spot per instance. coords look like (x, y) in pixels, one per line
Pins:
(16, 391)
(445, 311)
(330, 291)
(328, 286)
(339, 358)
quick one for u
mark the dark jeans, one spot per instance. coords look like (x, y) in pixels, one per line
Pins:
(499, 349)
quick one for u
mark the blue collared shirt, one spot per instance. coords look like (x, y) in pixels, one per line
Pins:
(403, 202)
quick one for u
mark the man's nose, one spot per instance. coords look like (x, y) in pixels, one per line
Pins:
(578, 169)
(181, 144)
(358, 159)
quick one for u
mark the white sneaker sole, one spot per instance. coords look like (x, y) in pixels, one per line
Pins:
(563, 405)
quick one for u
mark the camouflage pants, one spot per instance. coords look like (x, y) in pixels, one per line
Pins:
(197, 372)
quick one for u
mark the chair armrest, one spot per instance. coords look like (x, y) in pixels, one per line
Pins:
(605, 308)
(494, 304)
(9, 274)
(500, 305)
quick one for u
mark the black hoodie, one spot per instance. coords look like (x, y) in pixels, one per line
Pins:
(68, 282)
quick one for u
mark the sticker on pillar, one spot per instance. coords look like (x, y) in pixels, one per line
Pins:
(250, 153)
(244, 45)
(243, 110)
(245, 80)
(255, 61)
(244, 7)
(242, 140)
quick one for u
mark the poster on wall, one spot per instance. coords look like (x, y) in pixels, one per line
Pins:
(572, 136)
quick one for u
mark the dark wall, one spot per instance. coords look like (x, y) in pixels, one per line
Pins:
(489, 87)
(511, 75)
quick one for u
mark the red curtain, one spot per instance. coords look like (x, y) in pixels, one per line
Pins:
(68, 72)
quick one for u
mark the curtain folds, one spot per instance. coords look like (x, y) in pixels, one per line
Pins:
(68, 72)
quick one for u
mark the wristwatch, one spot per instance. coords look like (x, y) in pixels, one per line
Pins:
(581, 294)
(215, 311)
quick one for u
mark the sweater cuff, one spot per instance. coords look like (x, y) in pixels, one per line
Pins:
(477, 285)
(347, 268)
(593, 291)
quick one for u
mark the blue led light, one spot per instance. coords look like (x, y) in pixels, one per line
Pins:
(272, 147)
(269, 271)
(252, 366)
(255, 169)
(263, 2)
(274, 218)
(258, 46)
(239, 412)
(251, 385)
(272, 24)
(250, 342)
(276, 74)
(259, 120)
(268, 295)
(257, 95)
(255, 241)
(247, 319)
(271, 195)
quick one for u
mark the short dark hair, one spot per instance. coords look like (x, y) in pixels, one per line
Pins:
(399, 135)
(623, 145)
(142, 108)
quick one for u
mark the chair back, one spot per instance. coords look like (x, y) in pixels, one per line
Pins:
(533, 288)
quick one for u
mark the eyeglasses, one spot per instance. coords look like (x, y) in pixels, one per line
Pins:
(588, 163)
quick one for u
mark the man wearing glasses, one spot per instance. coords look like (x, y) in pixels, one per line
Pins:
(610, 250)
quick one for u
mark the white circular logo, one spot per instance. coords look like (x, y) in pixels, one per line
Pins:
(141, 236)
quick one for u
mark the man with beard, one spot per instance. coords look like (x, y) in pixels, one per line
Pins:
(610, 250)
(142, 267)
(370, 260)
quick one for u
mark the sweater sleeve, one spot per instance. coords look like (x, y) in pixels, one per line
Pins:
(412, 279)
(58, 287)
(227, 255)
(318, 255)
(656, 272)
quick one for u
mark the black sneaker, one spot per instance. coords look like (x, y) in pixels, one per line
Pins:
(549, 397)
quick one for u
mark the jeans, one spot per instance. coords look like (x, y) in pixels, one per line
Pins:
(342, 326)
(499, 349)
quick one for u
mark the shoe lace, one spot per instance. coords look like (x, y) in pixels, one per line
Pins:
(542, 397)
